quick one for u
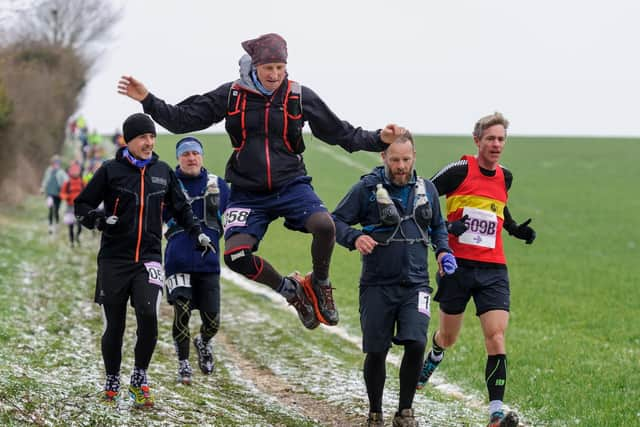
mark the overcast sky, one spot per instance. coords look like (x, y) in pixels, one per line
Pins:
(552, 67)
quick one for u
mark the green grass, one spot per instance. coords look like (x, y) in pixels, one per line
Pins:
(573, 340)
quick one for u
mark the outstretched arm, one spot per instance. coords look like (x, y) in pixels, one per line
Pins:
(132, 88)
(197, 112)
(328, 127)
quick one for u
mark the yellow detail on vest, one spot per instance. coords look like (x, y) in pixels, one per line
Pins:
(492, 205)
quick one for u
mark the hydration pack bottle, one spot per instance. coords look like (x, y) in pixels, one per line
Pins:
(422, 208)
(388, 212)
(211, 202)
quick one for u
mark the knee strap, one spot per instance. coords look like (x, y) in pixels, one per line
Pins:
(242, 261)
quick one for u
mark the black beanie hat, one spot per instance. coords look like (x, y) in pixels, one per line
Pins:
(137, 124)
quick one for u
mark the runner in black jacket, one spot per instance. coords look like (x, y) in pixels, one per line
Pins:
(134, 187)
(264, 114)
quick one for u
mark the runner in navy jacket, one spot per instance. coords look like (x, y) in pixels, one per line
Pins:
(399, 215)
(193, 280)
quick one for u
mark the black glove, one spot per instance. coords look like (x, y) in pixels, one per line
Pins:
(523, 232)
(94, 219)
(458, 227)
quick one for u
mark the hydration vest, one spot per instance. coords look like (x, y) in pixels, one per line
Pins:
(238, 116)
(211, 200)
(421, 214)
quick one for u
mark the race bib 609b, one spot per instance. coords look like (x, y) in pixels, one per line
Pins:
(482, 226)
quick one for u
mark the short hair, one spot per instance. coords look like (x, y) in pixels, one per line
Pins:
(406, 136)
(488, 121)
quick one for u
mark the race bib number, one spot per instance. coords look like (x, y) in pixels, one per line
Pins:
(235, 217)
(482, 228)
(156, 273)
(424, 303)
(180, 280)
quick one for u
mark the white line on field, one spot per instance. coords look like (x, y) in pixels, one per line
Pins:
(250, 286)
(342, 158)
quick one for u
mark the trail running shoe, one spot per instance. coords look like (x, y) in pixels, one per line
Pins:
(110, 397)
(427, 369)
(111, 389)
(322, 299)
(302, 302)
(499, 419)
(205, 355)
(405, 418)
(375, 419)
(184, 372)
(141, 396)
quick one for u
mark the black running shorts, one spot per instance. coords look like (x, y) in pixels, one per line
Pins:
(489, 288)
(202, 289)
(385, 310)
(118, 280)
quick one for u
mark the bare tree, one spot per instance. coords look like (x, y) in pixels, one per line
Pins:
(47, 50)
(81, 25)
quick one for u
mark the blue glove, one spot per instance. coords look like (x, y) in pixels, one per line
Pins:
(449, 264)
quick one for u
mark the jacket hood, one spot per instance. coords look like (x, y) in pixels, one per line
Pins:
(246, 67)
(245, 73)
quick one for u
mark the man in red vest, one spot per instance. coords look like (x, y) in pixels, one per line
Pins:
(476, 198)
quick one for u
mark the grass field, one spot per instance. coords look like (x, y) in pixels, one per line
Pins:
(573, 342)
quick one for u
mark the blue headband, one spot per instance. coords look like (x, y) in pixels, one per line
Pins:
(188, 144)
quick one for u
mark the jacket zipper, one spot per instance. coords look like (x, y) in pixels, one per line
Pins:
(140, 214)
(115, 207)
(266, 142)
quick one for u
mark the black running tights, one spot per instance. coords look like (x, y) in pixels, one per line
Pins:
(375, 375)
(147, 335)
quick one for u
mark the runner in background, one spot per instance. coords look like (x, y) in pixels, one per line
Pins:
(51, 185)
(193, 281)
(70, 189)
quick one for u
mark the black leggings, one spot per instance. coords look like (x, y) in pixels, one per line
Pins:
(181, 333)
(375, 374)
(147, 335)
(54, 210)
(75, 236)
(239, 255)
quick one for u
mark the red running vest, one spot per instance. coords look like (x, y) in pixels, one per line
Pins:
(483, 199)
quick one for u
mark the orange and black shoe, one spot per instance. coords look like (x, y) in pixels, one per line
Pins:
(499, 419)
(322, 298)
(303, 303)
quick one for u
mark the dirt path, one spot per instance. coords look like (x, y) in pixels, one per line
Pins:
(289, 395)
